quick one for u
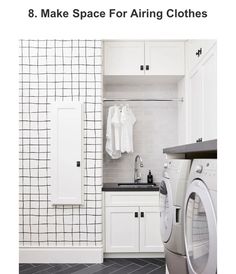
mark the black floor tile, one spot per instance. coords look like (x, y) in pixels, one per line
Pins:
(109, 269)
(25, 266)
(161, 270)
(114, 266)
(59, 267)
(72, 269)
(36, 269)
(46, 271)
(146, 269)
(91, 269)
(127, 269)
(109, 261)
(138, 261)
(122, 261)
(154, 261)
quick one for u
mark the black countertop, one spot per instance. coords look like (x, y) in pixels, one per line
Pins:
(116, 187)
(201, 147)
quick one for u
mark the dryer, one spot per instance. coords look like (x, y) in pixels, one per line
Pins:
(200, 213)
(172, 195)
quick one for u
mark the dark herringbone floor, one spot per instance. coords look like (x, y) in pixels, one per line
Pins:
(114, 266)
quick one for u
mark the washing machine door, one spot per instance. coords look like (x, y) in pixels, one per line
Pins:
(166, 214)
(200, 229)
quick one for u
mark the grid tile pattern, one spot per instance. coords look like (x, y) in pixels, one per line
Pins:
(58, 70)
(116, 266)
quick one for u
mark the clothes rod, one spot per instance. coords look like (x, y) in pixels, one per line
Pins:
(145, 100)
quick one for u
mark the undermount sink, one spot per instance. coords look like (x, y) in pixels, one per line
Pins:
(143, 185)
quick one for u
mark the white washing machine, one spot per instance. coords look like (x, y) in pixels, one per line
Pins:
(172, 195)
(200, 217)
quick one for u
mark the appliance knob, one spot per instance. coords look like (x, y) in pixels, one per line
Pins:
(199, 169)
(165, 165)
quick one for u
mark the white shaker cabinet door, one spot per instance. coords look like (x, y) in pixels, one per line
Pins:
(122, 229)
(209, 75)
(196, 106)
(164, 58)
(124, 58)
(66, 152)
(150, 236)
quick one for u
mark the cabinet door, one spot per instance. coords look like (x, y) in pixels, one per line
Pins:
(122, 229)
(150, 236)
(123, 58)
(209, 75)
(196, 106)
(164, 58)
(66, 152)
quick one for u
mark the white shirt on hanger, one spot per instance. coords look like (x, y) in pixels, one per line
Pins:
(127, 122)
(113, 133)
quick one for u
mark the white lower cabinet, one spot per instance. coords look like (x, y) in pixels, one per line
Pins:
(132, 228)
(122, 229)
(150, 237)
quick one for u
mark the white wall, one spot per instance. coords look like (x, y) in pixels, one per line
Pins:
(155, 128)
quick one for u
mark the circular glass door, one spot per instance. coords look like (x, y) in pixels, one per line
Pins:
(166, 217)
(200, 229)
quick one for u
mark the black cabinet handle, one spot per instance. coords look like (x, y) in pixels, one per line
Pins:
(78, 163)
(199, 52)
(136, 214)
(141, 67)
(177, 215)
(142, 214)
(147, 67)
(199, 140)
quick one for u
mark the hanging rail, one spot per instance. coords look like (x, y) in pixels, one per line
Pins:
(144, 100)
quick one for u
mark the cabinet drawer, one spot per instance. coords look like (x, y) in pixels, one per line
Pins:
(128, 198)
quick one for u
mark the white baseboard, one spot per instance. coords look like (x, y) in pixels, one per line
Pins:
(61, 254)
(135, 255)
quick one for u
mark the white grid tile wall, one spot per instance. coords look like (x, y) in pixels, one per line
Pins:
(59, 70)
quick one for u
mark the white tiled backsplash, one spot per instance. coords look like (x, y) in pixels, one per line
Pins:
(155, 128)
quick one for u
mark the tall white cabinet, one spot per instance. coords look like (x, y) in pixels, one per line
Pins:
(201, 93)
(67, 153)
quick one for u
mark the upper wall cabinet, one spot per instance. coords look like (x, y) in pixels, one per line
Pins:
(144, 58)
(164, 58)
(123, 58)
(197, 50)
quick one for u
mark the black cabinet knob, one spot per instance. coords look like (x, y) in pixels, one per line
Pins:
(142, 214)
(141, 67)
(147, 67)
(136, 214)
(199, 52)
(78, 163)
